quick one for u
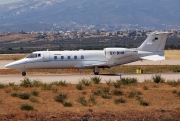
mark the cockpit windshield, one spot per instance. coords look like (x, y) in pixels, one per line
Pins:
(33, 55)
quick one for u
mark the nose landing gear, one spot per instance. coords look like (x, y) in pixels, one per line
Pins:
(23, 73)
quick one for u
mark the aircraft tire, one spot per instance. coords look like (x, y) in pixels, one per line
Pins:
(96, 73)
(23, 73)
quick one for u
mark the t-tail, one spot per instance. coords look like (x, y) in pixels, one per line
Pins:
(153, 47)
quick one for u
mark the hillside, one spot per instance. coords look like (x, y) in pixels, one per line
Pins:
(76, 14)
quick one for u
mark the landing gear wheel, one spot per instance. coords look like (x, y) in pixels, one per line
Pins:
(96, 70)
(24, 73)
(96, 73)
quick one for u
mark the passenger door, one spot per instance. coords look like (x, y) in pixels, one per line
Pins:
(46, 57)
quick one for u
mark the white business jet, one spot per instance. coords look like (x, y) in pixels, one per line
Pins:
(151, 49)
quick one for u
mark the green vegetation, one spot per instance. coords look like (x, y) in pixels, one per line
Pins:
(35, 93)
(158, 79)
(26, 83)
(67, 104)
(144, 103)
(96, 80)
(60, 83)
(34, 100)
(117, 92)
(127, 81)
(79, 87)
(60, 98)
(27, 107)
(82, 101)
(119, 100)
(145, 88)
(85, 82)
(173, 83)
(24, 96)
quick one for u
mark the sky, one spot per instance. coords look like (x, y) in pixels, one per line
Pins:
(8, 1)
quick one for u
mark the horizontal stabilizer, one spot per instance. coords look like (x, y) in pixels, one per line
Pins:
(153, 57)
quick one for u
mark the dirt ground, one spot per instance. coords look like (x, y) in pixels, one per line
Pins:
(164, 104)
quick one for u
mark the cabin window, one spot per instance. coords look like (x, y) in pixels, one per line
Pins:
(156, 38)
(39, 55)
(69, 57)
(62, 57)
(55, 57)
(75, 57)
(82, 57)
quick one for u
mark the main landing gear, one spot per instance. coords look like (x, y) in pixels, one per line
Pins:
(23, 73)
(96, 70)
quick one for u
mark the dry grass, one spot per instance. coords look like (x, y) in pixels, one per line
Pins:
(160, 98)
(12, 56)
(172, 54)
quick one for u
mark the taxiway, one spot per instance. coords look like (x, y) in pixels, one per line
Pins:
(75, 78)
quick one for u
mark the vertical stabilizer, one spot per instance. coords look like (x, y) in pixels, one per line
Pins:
(155, 42)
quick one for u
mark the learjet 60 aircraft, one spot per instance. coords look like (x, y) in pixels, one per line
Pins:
(151, 49)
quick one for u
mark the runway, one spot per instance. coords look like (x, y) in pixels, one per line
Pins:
(144, 62)
(75, 78)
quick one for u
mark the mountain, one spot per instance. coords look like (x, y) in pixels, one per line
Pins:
(38, 15)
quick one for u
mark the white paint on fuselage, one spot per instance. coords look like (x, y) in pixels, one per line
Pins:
(91, 58)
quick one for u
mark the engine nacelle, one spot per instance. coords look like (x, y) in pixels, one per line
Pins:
(109, 52)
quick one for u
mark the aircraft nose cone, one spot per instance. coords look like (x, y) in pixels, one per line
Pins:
(8, 66)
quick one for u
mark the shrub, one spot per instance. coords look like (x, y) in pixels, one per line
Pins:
(119, 100)
(97, 92)
(174, 91)
(60, 98)
(127, 81)
(109, 82)
(144, 103)
(79, 87)
(157, 79)
(35, 93)
(178, 93)
(83, 101)
(106, 90)
(11, 84)
(92, 99)
(96, 80)
(34, 100)
(132, 94)
(27, 107)
(117, 84)
(106, 96)
(60, 83)
(138, 97)
(26, 83)
(173, 83)
(117, 92)
(14, 95)
(145, 88)
(139, 93)
(86, 82)
(54, 90)
(2, 86)
(16, 87)
(24, 96)
(37, 83)
(67, 104)
(46, 86)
